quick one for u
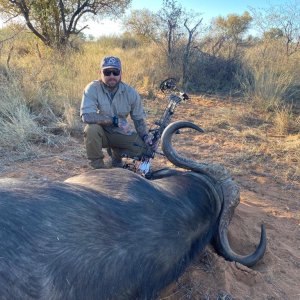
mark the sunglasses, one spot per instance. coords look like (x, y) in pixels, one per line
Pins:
(108, 72)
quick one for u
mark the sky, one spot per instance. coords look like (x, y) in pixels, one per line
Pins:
(208, 9)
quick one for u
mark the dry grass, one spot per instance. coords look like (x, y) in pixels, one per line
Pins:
(285, 121)
(235, 147)
(268, 77)
(43, 89)
(270, 88)
(18, 128)
(241, 138)
(41, 93)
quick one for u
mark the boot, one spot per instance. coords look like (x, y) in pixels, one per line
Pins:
(116, 162)
(116, 159)
(97, 164)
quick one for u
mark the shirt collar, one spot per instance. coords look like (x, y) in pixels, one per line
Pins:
(119, 89)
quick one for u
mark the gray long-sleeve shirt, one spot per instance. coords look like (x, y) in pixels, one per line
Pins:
(98, 104)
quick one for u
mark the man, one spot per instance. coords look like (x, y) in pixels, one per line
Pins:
(105, 106)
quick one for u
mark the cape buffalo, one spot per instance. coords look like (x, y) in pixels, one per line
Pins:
(112, 234)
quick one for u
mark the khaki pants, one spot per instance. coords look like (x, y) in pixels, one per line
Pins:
(96, 138)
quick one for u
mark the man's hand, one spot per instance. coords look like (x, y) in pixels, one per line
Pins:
(125, 126)
(148, 139)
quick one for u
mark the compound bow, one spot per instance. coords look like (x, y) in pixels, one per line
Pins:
(141, 165)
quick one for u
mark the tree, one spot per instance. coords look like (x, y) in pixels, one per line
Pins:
(231, 30)
(144, 24)
(171, 17)
(167, 28)
(55, 21)
(273, 34)
(285, 20)
(192, 32)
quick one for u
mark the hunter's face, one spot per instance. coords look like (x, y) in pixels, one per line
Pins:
(111, 77)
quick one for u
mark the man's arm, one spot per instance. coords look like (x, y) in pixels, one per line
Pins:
(95, 118)
(141, 128)
(143, 132)
(138, 116)
(89, 108)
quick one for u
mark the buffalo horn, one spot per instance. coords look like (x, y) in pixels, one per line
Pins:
(230, 195)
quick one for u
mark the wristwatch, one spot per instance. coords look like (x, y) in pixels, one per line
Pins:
(115, 121)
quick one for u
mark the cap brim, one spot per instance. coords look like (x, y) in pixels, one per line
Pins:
(110, 67)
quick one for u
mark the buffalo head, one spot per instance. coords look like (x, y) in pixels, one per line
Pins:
(226, 190)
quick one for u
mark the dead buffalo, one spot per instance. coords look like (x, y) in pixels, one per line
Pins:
(112, 234)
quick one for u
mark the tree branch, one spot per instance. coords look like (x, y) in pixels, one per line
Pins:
(63, 17)
(25, 12)
(77, 12)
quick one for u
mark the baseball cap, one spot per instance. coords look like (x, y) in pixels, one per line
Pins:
(110, 62)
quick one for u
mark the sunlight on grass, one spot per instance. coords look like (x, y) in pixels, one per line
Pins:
(18, 127)
(41, 92)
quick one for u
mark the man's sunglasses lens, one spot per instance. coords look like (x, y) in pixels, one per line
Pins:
(114, 72)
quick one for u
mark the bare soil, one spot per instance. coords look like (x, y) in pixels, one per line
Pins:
(270, 194)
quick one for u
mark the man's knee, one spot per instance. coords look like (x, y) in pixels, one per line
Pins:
(136, 147)
(93, 129)
(94, 132)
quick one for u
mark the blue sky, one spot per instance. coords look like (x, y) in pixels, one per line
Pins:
(208, 9)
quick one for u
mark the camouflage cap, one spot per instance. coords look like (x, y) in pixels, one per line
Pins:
(110, 62)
